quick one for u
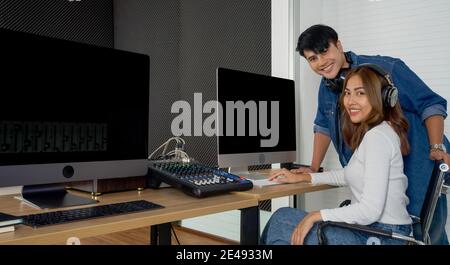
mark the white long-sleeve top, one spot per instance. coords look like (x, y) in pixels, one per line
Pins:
(376, 180)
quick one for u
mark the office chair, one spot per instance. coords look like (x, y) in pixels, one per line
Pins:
(436, 187)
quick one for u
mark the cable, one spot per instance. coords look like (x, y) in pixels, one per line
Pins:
(180, 142)
(156, 150)
(175, 234)
(167, 144)
(179, 154)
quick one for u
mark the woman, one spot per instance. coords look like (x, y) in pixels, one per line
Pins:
(376, 130)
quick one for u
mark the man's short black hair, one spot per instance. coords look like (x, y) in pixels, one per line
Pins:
(316, 38)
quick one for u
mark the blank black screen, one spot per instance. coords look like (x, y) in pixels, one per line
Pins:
(233, 85)
(63, 101)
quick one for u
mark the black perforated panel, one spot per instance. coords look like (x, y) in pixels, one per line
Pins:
(187, 40)
(233, 34)
(87, 21)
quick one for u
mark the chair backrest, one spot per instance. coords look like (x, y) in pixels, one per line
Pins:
(431, 198)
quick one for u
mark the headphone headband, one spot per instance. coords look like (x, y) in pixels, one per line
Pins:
(389, 93)
(380, 71)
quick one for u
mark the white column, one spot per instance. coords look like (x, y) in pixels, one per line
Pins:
(282, 55)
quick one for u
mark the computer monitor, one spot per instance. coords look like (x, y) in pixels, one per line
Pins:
(69, 112)
(257, 119)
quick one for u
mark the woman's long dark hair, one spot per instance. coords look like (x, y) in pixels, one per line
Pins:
(372, 83)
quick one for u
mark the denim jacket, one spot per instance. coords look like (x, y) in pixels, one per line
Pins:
(418, 102)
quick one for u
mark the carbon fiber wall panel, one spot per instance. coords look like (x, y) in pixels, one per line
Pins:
(153, 28)
(87, 21)
(186, 41)
(234, 34)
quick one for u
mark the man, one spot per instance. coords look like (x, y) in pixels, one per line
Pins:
(424, 109)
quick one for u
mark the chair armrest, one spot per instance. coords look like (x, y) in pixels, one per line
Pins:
(362, 228)
(365, 229)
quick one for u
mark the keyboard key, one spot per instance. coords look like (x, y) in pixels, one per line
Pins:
(58, 217)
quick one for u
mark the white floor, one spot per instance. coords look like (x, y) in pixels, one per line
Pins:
(226, 224)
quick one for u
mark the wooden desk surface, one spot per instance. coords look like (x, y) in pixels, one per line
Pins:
(280, 190)
(178, 206)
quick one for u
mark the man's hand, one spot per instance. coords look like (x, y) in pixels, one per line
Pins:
(302, 229)
(286, 176)
(437, 154)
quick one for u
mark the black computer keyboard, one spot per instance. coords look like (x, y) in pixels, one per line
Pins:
(196, 179)
(58, 217)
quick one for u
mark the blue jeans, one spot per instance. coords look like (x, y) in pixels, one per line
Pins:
(279, 229)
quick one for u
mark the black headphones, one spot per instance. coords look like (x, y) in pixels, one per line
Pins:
(389, 93)
(337, 83)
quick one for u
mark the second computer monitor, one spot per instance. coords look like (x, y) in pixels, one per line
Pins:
(256, 119)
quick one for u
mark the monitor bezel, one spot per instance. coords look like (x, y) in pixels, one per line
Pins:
(21, 174)
(249, 159)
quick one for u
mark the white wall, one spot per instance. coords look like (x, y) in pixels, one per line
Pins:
(308, 13)
(413, 30)
(282, 55)
(417, 31)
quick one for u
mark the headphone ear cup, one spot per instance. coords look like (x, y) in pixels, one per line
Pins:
(335, 84)
(332, 84)
(384, 92)
(390, 96)
(340, 84)
(393, 99)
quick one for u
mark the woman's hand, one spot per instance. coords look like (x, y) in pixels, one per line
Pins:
(286, 176)
(302, 229)
(302, 170)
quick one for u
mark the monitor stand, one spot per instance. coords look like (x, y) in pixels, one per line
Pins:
(239, 171)
(257, 177)
(250, 174)
(50, 196)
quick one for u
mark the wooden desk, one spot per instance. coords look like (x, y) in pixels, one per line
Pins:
(282, 190)
(178, 206)
(262, 193)
(251, 216)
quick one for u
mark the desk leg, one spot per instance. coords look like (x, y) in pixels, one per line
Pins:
(299, 201)
(164, 233)
(250, 226)
(160, 234)
(153, 235)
